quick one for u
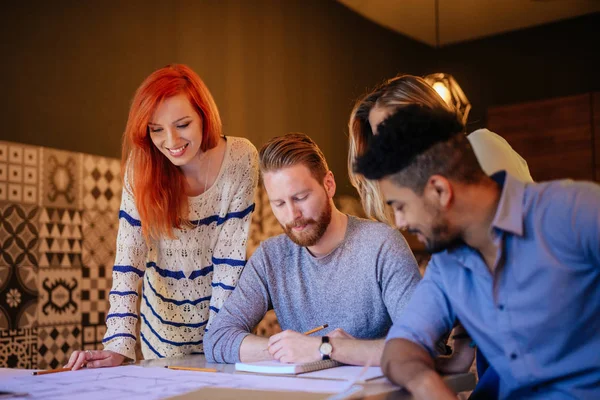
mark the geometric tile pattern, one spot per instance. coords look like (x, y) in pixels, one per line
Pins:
(58, 227)
(60, 237)
(101, 183)
(60, 178)
(95, 285)
(55, 344)
(100, 236)
(18, 265)
(18, 348)
(19, 173)
(59, 299)
(93, 335)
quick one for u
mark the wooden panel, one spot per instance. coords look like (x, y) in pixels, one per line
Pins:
(596, 132)
(554, 136)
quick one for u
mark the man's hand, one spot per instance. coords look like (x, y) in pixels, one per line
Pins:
(340, 333)
(94, 359)
(293, 347)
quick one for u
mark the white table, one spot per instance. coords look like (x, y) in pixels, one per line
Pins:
(377, 389)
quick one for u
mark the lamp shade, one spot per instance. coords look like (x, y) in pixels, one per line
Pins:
(449, 90)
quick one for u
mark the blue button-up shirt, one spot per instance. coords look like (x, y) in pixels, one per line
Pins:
(536, 317)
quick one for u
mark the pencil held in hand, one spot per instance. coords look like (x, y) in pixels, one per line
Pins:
(317, 329)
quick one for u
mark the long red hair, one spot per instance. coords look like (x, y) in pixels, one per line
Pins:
(158, 185)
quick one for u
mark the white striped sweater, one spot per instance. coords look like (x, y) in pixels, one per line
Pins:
(185, 280)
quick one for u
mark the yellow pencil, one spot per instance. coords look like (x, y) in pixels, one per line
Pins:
(51, 371)
(317, 329)
(191, 369)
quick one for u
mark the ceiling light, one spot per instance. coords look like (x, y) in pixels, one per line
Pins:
(449, 90)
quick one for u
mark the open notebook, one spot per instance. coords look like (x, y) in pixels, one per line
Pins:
(276, 367)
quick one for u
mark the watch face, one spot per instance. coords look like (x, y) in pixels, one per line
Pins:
(325, 348)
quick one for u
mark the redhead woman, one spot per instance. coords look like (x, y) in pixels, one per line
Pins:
(183, 224)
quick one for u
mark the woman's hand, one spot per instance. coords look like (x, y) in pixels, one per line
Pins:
(94, 359)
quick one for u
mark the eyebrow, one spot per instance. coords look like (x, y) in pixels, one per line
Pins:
(174, 122)
(294, 195)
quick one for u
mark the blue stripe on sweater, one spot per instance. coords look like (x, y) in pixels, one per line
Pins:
(150, 346)
(132, 221)
(165, 273)
(201, 272)
(204, 221)
(221, 220)
(117, 293)
(229, 261)
(215, 309)
(222, 285)
(165, 322)
(176, 302)
(129, 335)
(127, 268)
(165, 340)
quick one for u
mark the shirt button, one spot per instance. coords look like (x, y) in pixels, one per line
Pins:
(513, 356)
(501, 307)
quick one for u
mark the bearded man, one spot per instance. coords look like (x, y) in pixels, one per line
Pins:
(352, 274)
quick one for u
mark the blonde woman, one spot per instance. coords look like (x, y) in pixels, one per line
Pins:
(492, 151)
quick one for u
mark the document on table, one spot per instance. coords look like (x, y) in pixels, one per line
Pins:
(345, 373)
(135, 382)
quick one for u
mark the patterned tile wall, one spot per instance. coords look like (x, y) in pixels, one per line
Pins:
(58, 227)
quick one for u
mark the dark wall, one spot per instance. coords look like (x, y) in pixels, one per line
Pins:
(70, 67)
(548, 61)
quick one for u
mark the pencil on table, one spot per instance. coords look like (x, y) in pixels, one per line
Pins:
(191, 369)
(317, 329)
(51, 371)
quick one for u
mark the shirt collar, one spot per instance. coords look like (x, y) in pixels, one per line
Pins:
(509, 214)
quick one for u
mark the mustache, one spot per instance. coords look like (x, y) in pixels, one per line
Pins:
(300, 222)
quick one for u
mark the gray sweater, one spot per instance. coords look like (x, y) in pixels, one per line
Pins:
(361, 287)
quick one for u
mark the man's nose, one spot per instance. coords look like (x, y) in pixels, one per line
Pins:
(294, 212)
(400, 221)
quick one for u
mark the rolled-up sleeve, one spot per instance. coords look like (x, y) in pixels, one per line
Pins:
(428, 314)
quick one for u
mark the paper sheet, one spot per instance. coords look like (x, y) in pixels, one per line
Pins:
(135, 382)
(345, 372)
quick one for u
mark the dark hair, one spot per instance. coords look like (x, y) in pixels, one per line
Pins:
(417, 142)
(292, 149)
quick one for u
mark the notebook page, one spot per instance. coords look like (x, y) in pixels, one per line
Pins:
(346, 372)
(275, 367)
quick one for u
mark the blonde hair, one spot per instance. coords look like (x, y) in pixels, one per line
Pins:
(292, 149)
(400, 91)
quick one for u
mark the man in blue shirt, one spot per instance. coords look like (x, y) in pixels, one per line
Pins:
(518, 264)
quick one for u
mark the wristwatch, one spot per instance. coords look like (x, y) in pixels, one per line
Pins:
(325, 348)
